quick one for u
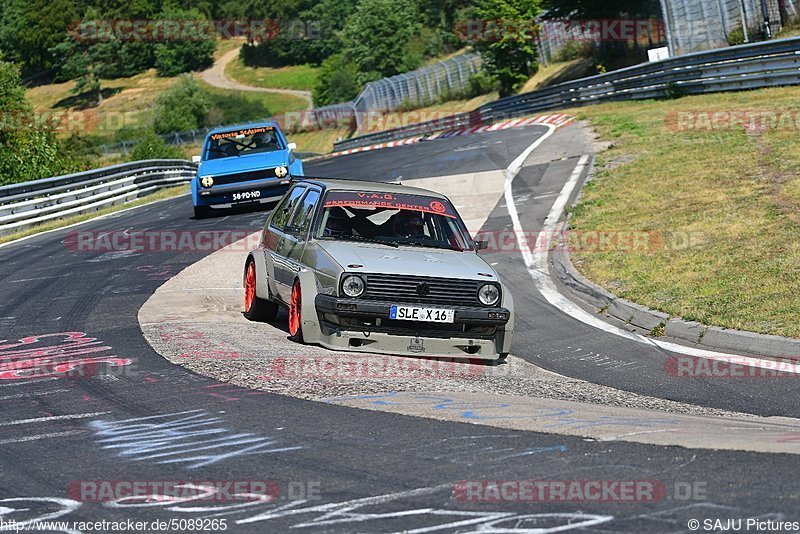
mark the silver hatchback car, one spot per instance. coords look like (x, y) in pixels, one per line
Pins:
(376, 267)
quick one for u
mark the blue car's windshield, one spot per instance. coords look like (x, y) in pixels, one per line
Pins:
(243, 142)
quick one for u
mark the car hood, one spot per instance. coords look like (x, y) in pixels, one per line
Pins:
(252, 162)
(411, 261)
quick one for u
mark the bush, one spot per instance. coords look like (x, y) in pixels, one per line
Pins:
(336, 81)
(736, 36)
(182, 107)
(479, 84)
(573, 50)
(152, 146)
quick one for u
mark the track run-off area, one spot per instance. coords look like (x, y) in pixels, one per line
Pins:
(153, 375)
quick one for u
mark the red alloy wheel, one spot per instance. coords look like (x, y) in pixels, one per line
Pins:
(249, 287)
(295, 304)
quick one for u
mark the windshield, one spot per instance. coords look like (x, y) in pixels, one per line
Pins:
(392, 219)
(240, 142)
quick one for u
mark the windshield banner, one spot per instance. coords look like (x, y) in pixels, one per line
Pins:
(371, 199)
(247, 132)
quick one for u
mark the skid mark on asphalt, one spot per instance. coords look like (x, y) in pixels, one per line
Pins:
(477, 450)
(392, 512)
(193, 438)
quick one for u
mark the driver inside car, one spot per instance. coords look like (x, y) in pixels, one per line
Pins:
(338, 223)
(408, 224)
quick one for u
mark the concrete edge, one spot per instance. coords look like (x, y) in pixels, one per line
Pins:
(659, 323)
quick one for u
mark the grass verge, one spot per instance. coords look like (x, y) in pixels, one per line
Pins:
(161, 194)
(300, 77)
(735, 193)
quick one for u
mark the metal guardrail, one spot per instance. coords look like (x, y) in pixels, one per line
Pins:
(754, 66)
(32, 203)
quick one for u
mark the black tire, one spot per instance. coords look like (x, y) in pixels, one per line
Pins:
(201, 212)
(261, 310)
(502, 357)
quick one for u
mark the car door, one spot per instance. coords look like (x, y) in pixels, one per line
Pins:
(275, 242)
(297, 233)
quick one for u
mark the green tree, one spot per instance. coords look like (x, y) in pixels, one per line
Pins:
(182, 107)
(377, 38)
(30, 29)
(184, 50)
(336, 81)
(509, 53)
(28, 150)
(599, 9)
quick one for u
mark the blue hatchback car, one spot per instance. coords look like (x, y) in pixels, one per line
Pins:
(246, 164)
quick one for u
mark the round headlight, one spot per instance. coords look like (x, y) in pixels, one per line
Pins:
(489, 294)
(353, 286)
(207, 181)
(281, 171)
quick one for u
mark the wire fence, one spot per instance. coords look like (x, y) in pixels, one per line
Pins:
(696, 25)
(419, 87)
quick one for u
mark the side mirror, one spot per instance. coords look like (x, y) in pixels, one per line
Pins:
(481, 245)
(195, 159)
(292, 146)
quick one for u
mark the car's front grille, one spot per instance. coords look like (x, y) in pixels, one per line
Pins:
(239, 177)
(423, 290)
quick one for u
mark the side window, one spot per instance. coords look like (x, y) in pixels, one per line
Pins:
(284, 209)
(305, 213)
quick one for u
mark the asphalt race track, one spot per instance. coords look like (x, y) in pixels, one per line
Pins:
(114, 410)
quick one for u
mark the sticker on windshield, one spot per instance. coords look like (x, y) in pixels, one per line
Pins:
(247, 132)
(369, 199)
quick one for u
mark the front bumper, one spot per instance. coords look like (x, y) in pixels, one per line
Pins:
(363, 325)
(268, 190)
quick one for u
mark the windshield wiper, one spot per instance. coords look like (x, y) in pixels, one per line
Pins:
(427, 245)
(394, 244)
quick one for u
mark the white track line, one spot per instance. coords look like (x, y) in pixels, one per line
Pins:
(42, 436)
(536, 263)
(52, 418)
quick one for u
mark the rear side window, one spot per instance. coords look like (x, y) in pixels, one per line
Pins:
(284, 209)
(305, 213)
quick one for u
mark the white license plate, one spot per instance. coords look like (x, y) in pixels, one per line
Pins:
(247, 195)
(425, 315)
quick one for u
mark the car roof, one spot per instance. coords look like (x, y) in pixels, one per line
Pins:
(337, 184)
(222, 129)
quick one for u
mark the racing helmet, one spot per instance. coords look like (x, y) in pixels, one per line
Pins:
(408, 224)
(338, 222)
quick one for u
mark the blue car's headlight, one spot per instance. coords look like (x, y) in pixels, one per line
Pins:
(207, 181)
(281, 171)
